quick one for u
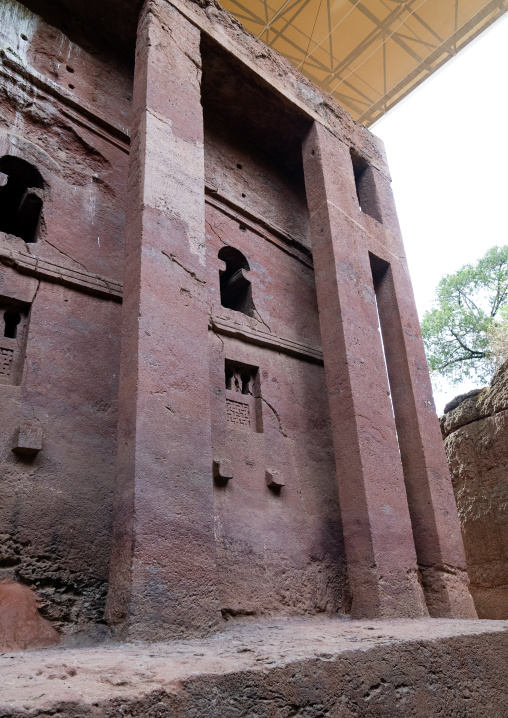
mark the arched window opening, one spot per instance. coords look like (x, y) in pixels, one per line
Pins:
(11, 321)
(235, 286)
(21, 187)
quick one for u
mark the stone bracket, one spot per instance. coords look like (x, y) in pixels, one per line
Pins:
(222, 471)
(274, 480)
(28, 441)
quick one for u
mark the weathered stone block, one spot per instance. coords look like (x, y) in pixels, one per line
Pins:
(222, 471)
(274, 480)
(28, 440)
(21, 625)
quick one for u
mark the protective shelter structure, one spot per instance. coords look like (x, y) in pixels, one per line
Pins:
(278, 451)
(367, 54)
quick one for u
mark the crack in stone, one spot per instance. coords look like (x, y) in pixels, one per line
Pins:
(219, 338)
(473, 421)
(275, 414)
(192, 274)
(193, 60)
(68, 256)
(260, 318)
(212, 229)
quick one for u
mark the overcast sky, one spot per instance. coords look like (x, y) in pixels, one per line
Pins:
(447, 147)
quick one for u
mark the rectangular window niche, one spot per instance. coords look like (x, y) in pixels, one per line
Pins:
(365, 186)
(13, 329)
(243, 397)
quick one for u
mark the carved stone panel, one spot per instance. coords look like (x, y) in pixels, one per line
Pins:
(243, 397)
(13, 325)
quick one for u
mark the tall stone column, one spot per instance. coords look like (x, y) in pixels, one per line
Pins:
(163, 574)
(434, 517)
(378, 537)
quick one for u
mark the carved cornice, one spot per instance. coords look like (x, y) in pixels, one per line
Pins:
(264, 339)
(77, 279)
(259, 225)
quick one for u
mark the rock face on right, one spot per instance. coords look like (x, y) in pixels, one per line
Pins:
(475, 430)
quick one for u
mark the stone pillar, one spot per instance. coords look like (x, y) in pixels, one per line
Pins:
(377, 528)
(434, 517)
(163, 573)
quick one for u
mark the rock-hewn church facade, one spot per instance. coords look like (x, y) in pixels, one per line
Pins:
(214, 395)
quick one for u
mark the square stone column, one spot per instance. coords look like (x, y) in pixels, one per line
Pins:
(378, 537)
(434, 517)
(394, 486)
(163, 573)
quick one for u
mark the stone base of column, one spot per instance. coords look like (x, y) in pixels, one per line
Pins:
(447, 592)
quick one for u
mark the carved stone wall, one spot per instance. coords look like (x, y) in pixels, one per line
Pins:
(198, 250)
(475, 429)
(62, 108)
(277, 520)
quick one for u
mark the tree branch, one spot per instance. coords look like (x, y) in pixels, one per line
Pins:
(464, 346)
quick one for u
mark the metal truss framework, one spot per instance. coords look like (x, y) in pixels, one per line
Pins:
(367, 54)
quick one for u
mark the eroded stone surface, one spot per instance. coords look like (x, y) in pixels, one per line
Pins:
(274, 669)
(56, 503)
(476, 442)
(21, 624)
(222, 349)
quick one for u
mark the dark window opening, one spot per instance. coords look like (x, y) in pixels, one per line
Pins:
(365, 186)
(246, 383)
(379, 270)
(20, 198)
(380, 274)
(235, 287)
(14, 319)
(11, 321)
(240, 378)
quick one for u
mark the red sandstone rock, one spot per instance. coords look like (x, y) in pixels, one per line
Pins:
(163, 573)
(476, 443)
(274, 668)
(377, 530)
(21, 625)
(56, 506)
(189, 146)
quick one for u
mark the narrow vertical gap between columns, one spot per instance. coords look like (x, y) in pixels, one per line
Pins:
(368, 200)
(387, 312)
(380, 270)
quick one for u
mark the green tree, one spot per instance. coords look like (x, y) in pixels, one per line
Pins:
(498, 338)
(468, 318)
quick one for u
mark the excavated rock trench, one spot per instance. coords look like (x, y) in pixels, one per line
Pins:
(475, 430)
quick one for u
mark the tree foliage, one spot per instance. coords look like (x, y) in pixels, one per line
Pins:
(464, 331)
(498, 338)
